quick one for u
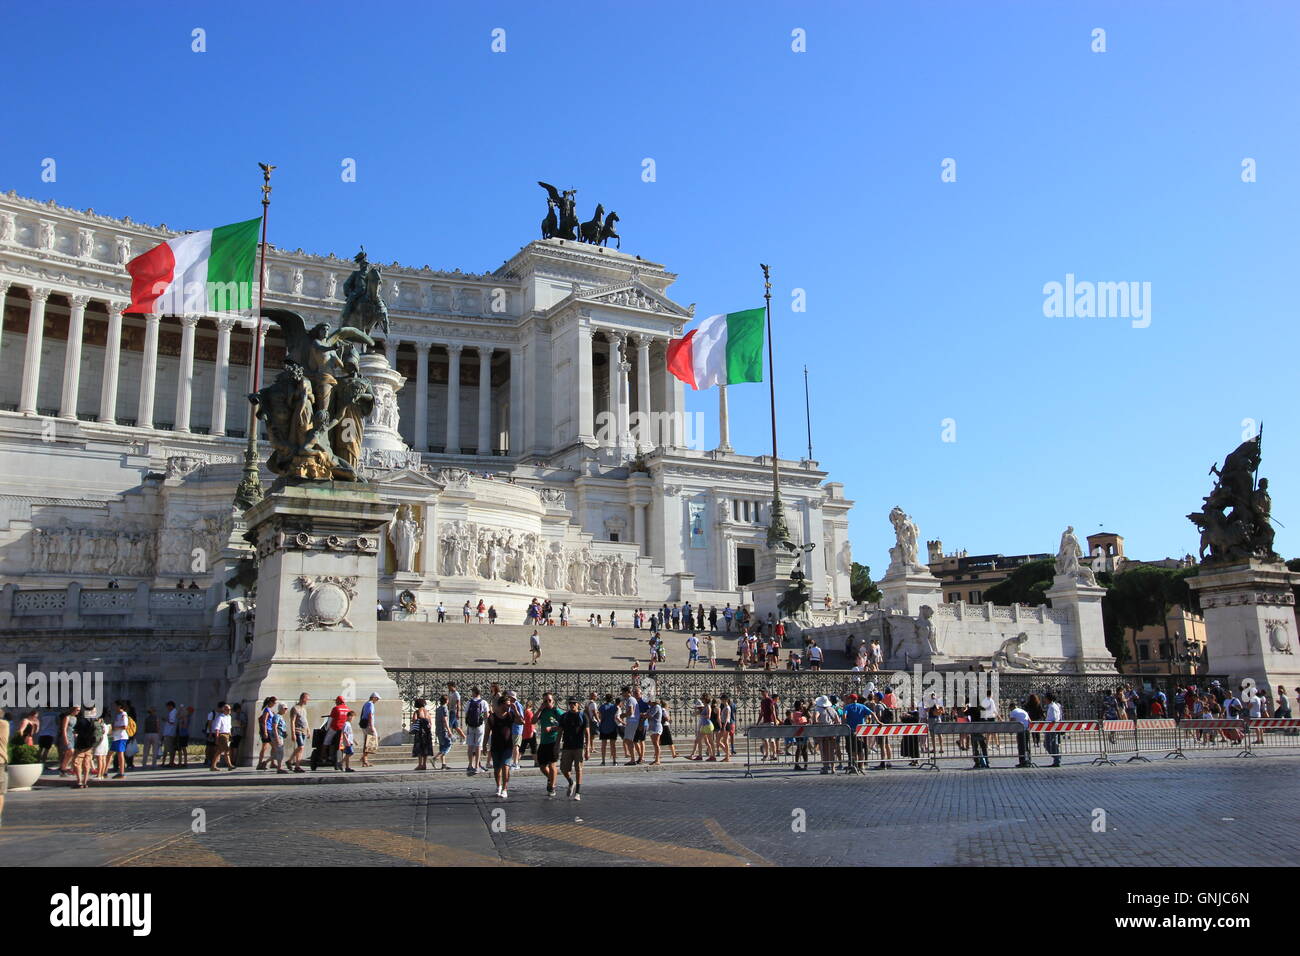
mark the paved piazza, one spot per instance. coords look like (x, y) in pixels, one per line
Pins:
(696, 816)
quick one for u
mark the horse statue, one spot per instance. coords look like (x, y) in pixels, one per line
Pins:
(567, 203)
(363, 305)
(551, 224)
(592, 228)
(607, 232)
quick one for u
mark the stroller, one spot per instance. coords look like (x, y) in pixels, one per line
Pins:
(319, 755)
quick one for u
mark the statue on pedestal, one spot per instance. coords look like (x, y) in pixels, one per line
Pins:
(1068, 555)
(903, 555)
(363, 304)
(315, 408)
(404, 533)
(1236, 519)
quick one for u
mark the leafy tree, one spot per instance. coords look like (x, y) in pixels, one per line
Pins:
(861, 588)
(1027, 584)
(1142, 597)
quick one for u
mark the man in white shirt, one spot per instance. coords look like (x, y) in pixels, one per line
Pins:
(814, 656)
(1021, 716)
(442, 613)
(220, 729)
(121, 737)
(692, 651)
(1053, 741)
(170, 720)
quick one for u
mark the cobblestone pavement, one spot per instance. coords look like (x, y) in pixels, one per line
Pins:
(1152, 814)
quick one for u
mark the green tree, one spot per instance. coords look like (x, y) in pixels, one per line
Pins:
(1138, 598)
(1027, 584)
(861, 588)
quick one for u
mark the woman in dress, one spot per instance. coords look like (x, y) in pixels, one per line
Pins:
(703, 731)
(724, 716)
(666, 738)
(422, 728)
(100, 753)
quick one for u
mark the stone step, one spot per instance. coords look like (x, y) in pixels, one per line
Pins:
(412, 644)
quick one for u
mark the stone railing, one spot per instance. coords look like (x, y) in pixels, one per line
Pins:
(77, 607)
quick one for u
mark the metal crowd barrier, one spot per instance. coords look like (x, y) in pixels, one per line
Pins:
(808, 740)
(1209, 731)
(910, 748)
(1066, 738)
(1270, 732)
(999, 740)
(1150, 735)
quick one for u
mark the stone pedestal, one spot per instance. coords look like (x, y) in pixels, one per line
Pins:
(381, 443)
(1250, 622)
(1082, 601)
(315, 629)
(772, 578)
(909, 589)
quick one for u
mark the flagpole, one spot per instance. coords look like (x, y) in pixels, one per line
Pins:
(249, 491)
(807, 411)
(777, 532)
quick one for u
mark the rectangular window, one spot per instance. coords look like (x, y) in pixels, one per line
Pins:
(1144, 651)
(744, 567)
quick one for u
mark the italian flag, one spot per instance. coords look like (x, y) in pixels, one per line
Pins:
(198, 273)
(721, 350)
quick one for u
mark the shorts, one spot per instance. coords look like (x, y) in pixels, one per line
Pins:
(609, 734)
(182, 741)
(444, 744)
(638, 734)
(300, 740)
(474, 738)
(45, 741)
(516, 739)
(501, 757)
(545, 754)
(455, 722)
(569, 757)
(81, 760)
(118, 746)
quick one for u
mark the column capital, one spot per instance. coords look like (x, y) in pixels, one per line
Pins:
(5, 285)
(152, 319)
(425, 347)
(485, 352)
(39, 293)
(117, 306)
(79, 301)
(225, 323)
(642, 340)
(189, 321)
(455, 348)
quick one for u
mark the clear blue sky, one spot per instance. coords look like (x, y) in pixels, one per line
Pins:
(925, 299)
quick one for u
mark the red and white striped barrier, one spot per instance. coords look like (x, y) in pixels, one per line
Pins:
(892, 730)
(1274, 723)
(1062, 726)
(1214, 723)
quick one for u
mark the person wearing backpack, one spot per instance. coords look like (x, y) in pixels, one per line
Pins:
(85, 734)
(475, 717)
(123, 728)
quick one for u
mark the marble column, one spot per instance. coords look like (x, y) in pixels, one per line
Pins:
(422, 350)
(643, 434)
(484, 401)
(4, 294)
(221, 376)
(72, 357)
(724, 424)
(185, 374)
(672, 420)
(612, 363)
(148, 371)
(585, 386)
(638, 527)
(112, 359)
(453, 400)
(517, 401)
(32, 357)
(390, 351)
(624, 395)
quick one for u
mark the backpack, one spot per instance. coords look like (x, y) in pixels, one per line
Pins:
(474, 713)
(130, 727)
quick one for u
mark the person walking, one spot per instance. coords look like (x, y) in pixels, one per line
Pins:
(279, 734)
(65, 743)
(476, 712)
(1021, 716)
(608, 728)
(421, 730)
(548, 726)
(500, 734)
(692, 651)
(347, 743)
(265, 725)
(299, 727)
(535, 646)
(654, 729)
(573, 746)
(220, 730)
(370, 734)
(123, 727)
(442, 732)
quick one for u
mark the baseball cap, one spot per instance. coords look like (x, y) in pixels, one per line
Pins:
(375, 697)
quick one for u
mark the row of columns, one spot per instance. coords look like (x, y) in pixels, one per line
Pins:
(27, 401)
(617, 387)
(451, 446)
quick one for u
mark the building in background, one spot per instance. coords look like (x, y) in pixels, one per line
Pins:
(966, 576)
